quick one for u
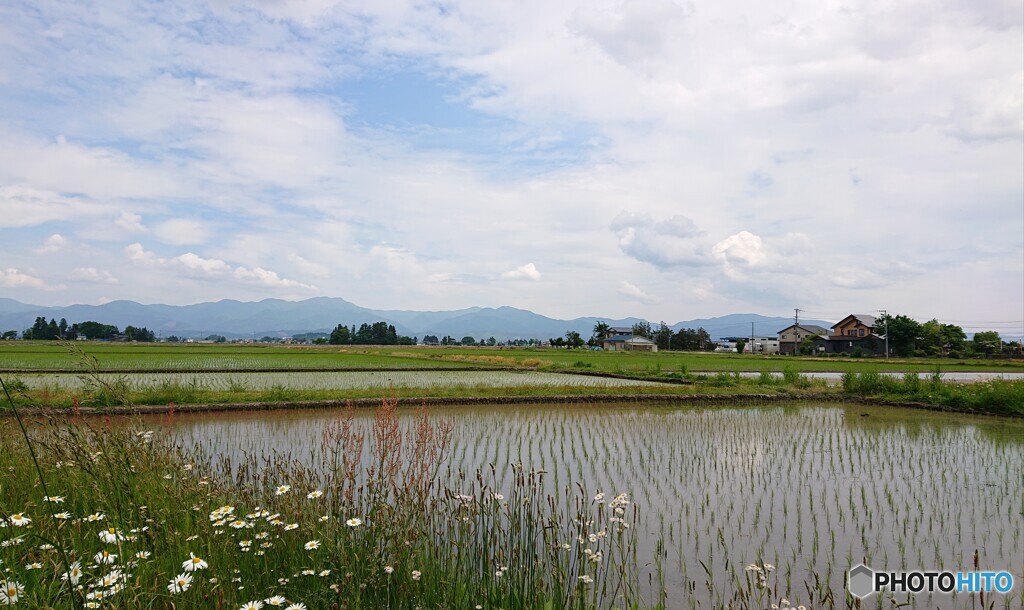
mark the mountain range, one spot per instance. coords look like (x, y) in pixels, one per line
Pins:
(279, 318)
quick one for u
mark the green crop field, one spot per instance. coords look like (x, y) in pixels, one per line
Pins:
(27, 356)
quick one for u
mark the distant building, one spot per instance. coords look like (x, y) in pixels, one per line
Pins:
(629, 343)
(791, 337)
(855, 332)
(763, 345)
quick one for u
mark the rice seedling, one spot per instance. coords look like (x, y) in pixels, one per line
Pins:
(807, 489)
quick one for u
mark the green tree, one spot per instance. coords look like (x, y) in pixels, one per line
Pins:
(903, 333)
(340, 335)
(663, 336)
(10, 335)
(95, 330)
(467, 340)
(987, 342)
(139, 334)
(740, 346)
(643, 329)
(939, 339)
(601, 331)
(573, 339)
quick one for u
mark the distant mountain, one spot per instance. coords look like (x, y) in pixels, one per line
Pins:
(739, 325)
(278, 318)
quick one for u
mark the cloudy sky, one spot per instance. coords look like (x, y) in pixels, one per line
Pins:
(657, 158)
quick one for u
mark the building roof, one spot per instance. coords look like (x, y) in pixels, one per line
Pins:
(621, 330)
(811, 328)
(628, 339)
(864, 319)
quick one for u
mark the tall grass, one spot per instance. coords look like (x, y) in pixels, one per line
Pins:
(370, 524)
(996, 396)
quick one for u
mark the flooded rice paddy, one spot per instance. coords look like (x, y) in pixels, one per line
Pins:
(811, 489)
(333, 380)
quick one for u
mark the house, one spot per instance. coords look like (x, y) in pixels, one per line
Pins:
(855, 333)
(792, 336)
(627, 343)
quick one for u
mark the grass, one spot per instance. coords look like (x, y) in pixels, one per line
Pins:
(185, 393)
(130, 519)
(996, 397)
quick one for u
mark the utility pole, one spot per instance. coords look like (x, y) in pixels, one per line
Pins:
(885, 314)
(796, 331)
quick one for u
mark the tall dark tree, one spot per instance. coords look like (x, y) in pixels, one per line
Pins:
(663, 336)
(903, 332)
(643, 329)
(573, 339)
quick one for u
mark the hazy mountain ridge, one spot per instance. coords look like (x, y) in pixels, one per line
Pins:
(277, 318)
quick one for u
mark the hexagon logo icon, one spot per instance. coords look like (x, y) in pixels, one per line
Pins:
(861, 581)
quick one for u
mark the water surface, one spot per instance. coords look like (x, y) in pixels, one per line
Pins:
(811, 489)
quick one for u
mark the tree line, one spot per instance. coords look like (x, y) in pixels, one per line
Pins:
(378, 333)
(908, 337)
(42, 330)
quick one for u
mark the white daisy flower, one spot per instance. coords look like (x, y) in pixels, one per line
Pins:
(19, 519)
(194, 563)
(10, 592)
(180, 583)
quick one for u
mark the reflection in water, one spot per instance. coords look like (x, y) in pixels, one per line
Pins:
(813, 490)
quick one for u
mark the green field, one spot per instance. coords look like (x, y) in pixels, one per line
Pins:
(112, 374)
(26, 356)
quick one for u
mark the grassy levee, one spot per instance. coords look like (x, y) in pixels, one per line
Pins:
(185, 393)
(131, 520)
(995, 397)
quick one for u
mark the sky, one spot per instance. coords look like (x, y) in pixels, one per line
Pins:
(662, 159)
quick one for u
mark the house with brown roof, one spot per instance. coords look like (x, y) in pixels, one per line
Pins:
(855, 333)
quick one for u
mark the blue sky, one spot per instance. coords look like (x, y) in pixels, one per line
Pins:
(657, 158)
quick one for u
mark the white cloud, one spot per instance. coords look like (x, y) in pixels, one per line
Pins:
(26, 206)
(633, 292)
(264, 277)
(13, 278)
(130, 222)
(53, 243)
(94, 275)
(203, 267)
(743, 247)
(674, 242)
(139, 255)
(191, 265)
(528, 271)
(181, 232)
